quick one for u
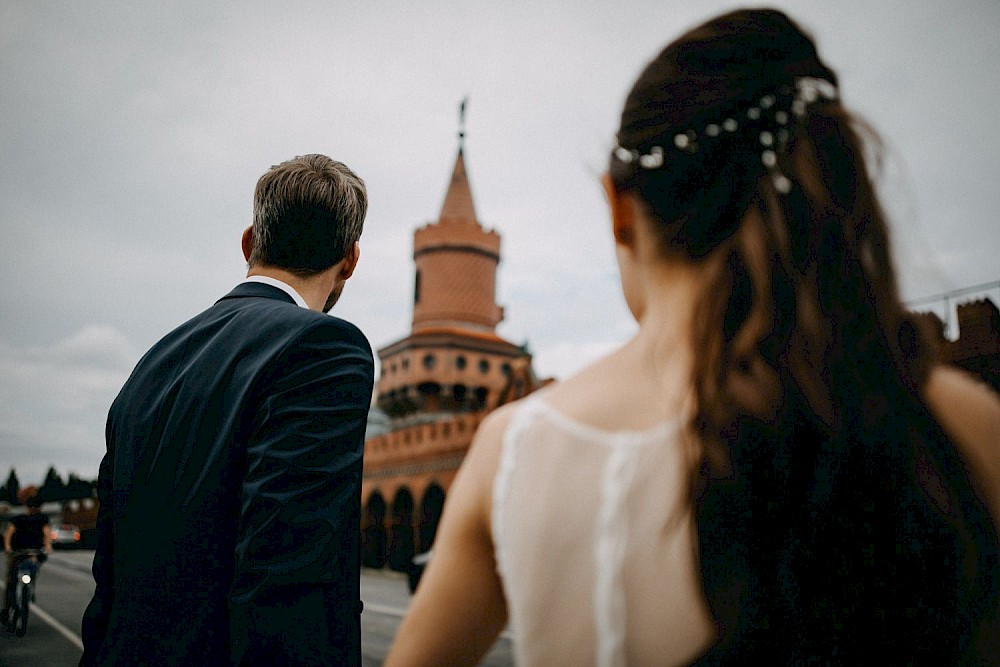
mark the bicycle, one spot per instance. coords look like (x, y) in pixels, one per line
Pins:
(19, 600)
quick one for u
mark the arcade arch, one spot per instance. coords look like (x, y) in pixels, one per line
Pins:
(373, 537)
(430, 515)
(401, 543)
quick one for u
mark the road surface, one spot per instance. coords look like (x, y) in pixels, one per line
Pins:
(65, 586)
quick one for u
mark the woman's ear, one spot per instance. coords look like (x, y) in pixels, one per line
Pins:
(622, 213)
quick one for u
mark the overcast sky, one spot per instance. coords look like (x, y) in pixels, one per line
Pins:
(132, 134)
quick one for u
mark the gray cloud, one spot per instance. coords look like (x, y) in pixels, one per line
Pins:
(133, 134)
(49, 396)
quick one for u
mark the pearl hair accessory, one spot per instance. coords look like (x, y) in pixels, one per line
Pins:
(772, 114)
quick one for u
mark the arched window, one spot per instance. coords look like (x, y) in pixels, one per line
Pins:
(481, 394)
(430, 515)
(373, 534)
(401, 542)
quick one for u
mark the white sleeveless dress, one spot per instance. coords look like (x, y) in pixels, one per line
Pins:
(595, 543)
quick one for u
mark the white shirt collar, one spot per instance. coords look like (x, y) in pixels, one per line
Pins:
(285, 287)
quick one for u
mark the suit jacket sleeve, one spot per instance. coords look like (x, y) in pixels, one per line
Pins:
(296, 567)
(95, 618)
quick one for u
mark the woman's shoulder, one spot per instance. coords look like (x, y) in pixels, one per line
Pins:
(968, 409)
(489, 435)
(969, 412)
(484, 452)
(608, 396)
(619, 392)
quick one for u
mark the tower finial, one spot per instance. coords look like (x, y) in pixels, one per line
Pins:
(461, 122)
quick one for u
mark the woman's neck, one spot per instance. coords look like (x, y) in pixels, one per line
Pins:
(671, 295)
(663, 348)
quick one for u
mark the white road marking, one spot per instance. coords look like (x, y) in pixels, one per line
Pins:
(384, 609)
(56, 625)
(59, 627)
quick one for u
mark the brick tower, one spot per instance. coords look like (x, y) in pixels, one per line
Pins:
(437, 383)
(456, 262)
(453, 362)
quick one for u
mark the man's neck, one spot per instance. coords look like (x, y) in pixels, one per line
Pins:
(313, 289)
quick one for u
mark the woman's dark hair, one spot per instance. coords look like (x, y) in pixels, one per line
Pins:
(836, 521)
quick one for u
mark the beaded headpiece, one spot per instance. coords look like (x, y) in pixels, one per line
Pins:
(771, 116)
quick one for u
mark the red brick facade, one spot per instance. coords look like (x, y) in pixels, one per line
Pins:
(437, 383)
(455, 283)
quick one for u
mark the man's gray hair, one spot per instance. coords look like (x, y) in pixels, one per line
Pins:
(308, 213)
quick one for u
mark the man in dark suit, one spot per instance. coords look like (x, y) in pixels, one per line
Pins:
(230, 490)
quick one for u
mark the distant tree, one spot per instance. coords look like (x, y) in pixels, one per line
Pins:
(53, 488)
(78, 488)
(11, 488)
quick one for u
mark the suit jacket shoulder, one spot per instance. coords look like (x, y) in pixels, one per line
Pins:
(233, 464)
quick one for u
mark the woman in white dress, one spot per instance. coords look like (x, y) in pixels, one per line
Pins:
(773, 469)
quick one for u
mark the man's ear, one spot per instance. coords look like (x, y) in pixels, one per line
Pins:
(622, 209)
(247, 242)
(350, 261)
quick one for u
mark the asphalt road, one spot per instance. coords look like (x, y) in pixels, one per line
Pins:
(65, 587)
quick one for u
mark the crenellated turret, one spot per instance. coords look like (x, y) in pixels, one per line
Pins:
(456, 265)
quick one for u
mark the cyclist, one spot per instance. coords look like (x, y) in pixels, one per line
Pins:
(28, 531)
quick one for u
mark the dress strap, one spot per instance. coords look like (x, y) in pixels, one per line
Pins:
(519, 421)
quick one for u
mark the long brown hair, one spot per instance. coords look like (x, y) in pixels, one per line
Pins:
(836, 522)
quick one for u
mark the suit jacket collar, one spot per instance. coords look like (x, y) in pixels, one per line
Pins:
(260, 290)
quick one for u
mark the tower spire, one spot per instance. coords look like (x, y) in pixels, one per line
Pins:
(457, 205)
(455, 283)
(461, 123)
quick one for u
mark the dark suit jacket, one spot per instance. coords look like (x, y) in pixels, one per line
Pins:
(230, 493)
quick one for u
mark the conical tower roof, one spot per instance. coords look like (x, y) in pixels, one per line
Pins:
(458, 204)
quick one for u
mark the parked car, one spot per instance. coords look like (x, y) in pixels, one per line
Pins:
(65, 536)
(416, 570)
